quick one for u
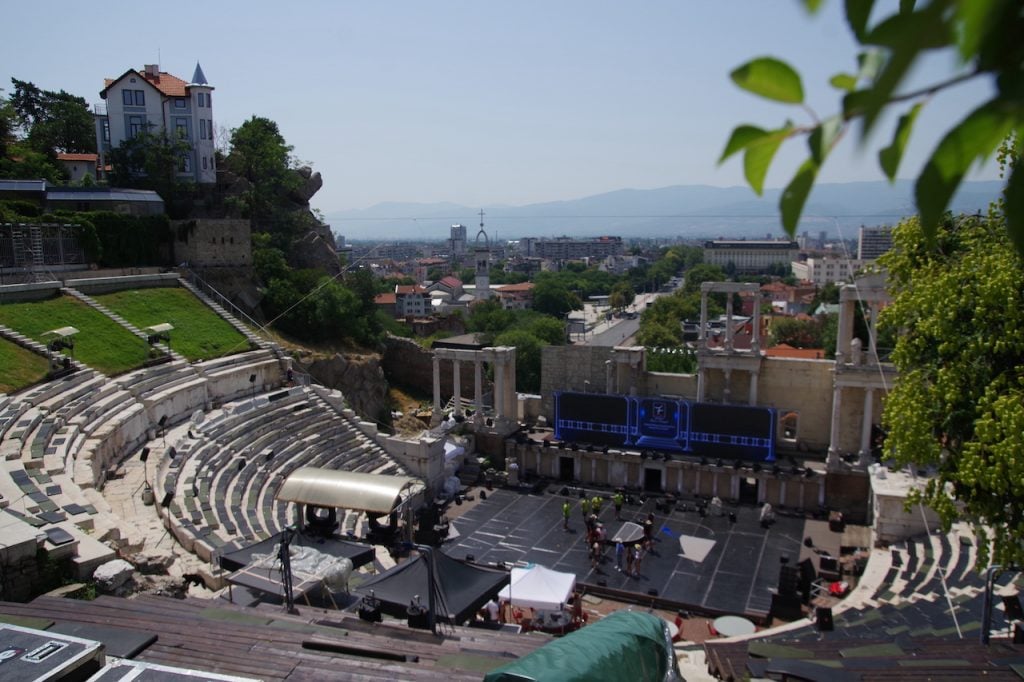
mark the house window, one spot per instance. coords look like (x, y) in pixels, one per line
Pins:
(136, 125)
(204, 163)
(179, 102)
(202, 129)
(140, 98)
(106, 130)
(126, 97)
(201, 98)
(184, 164)
(181, 127)
(209, 127)
(209, 99)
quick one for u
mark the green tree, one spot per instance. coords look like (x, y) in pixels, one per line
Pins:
(958, 405)
(260, 154)
(151, 160)
(622, 296)
(984, 34)
(797, 333)
(53, 122)
(552, 297)
(699, 274)
(528, 357)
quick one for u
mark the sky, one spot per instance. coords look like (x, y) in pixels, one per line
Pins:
(485, 103)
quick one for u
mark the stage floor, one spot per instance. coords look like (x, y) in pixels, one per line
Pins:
(734, 575)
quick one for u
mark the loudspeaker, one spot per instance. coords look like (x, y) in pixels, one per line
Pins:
(470, 558)
(166, 502)
(163, 421)
(145, 455)
(653, 591)
(252, 378)
(789, 580)
(1018, 633)
(823, 616)
(786, 607)
(1013, 608)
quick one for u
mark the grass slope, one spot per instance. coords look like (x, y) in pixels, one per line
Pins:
(199, 333)
(102, 343)
(19, 368)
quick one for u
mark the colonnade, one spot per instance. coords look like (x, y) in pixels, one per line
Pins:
(503, 361)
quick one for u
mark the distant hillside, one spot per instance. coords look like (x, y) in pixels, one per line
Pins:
(691, 211)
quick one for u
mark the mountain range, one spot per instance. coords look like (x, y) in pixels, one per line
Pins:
(686, 211)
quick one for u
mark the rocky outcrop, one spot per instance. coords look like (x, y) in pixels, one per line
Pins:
(311, 184)
(315, 250)
(359, 377)
(407, 363)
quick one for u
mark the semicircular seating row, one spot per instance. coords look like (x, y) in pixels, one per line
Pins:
(62, 439)
(220, 483)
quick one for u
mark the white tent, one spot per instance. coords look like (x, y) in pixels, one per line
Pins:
(539, 588)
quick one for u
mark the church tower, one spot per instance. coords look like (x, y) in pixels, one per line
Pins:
(483, 263)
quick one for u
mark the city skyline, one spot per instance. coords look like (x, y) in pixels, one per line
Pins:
(486, 104)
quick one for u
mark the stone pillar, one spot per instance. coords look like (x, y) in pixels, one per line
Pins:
(608, 377)
(510, 386)
(752, 397)
(701, 384)
(845, 331)
(435, 417)
(499, 386)
(782, 491)
(727, 388)
(864, 456)
(457, 386)
(696, 482)
(728, 322)
(832, 462)
(701, 334)
(755, 340)
(872, 320)
(478, 388)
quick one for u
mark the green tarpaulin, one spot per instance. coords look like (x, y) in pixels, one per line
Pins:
(626, 645)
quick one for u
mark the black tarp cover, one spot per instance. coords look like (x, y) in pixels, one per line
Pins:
(464, 588)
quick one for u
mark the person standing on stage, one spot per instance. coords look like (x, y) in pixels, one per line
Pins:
(585, 507)
(566, 510)
(620, 555)
(617, 500)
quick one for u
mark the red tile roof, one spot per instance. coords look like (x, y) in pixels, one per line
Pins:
(385, 299)
(515, 288)
(168, 84)
(405, 289)
(784, 350)
(64, 156)
(449, 281)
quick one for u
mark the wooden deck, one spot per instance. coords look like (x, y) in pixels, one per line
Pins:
(265, 643)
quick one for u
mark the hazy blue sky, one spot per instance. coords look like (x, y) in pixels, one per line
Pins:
(479, 102)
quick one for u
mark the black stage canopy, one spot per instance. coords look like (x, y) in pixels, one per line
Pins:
(464, 588)
(358, 553)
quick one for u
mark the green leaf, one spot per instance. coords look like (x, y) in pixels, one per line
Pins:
(1014, 206)
(857, 14)
(812, 6)
(870, 63)
(973, 138)
(759, 155)
(770, 78)
(795, 195)
(741, 138)
(843, 81)
(823, 138)
(975, 19)
(890, 157)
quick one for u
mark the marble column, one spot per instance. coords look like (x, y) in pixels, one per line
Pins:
(727, 389)
(436, 416)
(752, 396)
(457, 386)
(478, 388)
(701, 384)
(832, 462)
(728, 321)
(864, 456)
(499, 387)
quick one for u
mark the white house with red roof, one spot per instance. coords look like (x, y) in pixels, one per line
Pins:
(153, 100)
(411, 300)
(80, 165)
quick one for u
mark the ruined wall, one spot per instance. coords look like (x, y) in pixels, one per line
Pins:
(566, 368)
(205, 243)
(410, 365)
(359, 377)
